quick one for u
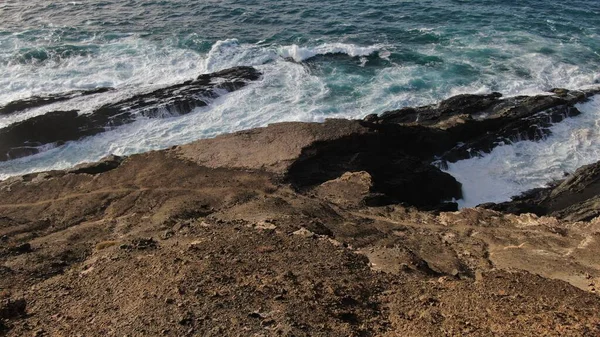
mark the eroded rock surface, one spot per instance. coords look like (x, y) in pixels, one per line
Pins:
(205, 239)
(397, 157)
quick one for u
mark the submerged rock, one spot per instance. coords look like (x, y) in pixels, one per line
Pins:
(38, 101)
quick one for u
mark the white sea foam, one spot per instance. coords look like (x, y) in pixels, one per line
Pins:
(283, 84)
(128, 61)
(300, 54)
(544, 73)
(134, 66)
(512, 169)
(287, 91)
(229, 53)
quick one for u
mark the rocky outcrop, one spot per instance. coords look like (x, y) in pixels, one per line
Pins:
(576, 198)
(471, 125)
(38, 101)
(395, 149)
(475, 124)
(397, 157)
(180, 99)
(352, 189)
(27, 137)
(304, 229)
(162, 244)
(433, 114)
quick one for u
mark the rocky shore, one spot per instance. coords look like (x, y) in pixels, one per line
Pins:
(54, 128)
(341, 228)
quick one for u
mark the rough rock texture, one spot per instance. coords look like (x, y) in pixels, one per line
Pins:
(307, 154)
(352, 189)
(201, 240)
(576, 198)
(24, 138)
(432, 114)
(476, 124)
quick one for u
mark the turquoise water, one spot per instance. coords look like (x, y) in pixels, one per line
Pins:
(425, 50)
(319, 59)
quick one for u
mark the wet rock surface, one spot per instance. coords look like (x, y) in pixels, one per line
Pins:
(38, 101)
(476, 124)
(27, 137)
(576, 198)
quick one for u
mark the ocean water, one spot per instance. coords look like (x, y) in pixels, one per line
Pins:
(514, 168)
(319, 60)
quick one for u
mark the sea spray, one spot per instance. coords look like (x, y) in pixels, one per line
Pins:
(346, 59)
(511, 169)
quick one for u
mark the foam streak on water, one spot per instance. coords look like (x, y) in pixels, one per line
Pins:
(318, 59)
(512, 169)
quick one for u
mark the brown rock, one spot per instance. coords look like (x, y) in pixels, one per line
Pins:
(348, 190)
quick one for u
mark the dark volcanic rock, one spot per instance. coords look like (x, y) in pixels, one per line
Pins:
(528, 202)
(431, 114)
(525, 125)
(583, 211)
(37, 101)
(576, 198)
(181, 98)
(24, 138)
(478, 123)
(104, 165)
(390, 158)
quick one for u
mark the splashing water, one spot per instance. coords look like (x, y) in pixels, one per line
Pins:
(319, 60)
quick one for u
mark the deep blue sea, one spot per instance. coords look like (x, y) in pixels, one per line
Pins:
(319, 60)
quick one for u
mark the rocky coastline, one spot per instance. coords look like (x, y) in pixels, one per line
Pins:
(340, 228)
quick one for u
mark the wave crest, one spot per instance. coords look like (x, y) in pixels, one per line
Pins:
(230, 53)
(300, 54)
